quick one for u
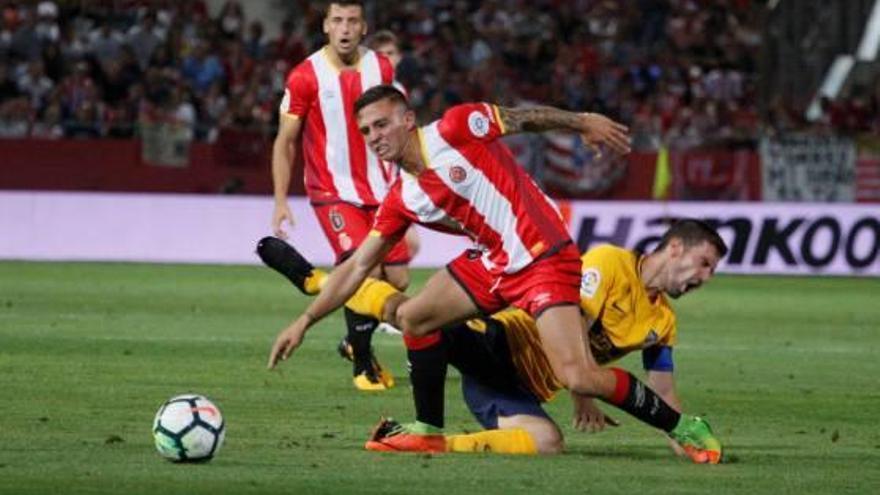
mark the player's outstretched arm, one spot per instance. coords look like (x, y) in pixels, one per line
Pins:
(342, 282)
(283, 156)
(596, 129)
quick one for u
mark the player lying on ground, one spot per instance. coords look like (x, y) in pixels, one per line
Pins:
(505, 374)
(456, 176)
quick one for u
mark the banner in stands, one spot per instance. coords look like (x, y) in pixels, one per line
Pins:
(165, 144)
(868, 170)
(802, 167)
(781, 238)
(716, 175)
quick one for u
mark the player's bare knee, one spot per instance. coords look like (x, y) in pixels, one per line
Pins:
(548, 441)
(398, 277)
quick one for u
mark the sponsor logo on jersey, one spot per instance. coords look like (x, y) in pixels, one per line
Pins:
(590, 282)
(345, 241)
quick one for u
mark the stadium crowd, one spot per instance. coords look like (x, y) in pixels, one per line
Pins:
(685, 70)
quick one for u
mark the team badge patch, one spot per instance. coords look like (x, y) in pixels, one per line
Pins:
(336, 221)
(478, 124)
(457, 174)
(590, 282)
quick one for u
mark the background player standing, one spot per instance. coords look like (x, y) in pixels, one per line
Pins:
(344, 181)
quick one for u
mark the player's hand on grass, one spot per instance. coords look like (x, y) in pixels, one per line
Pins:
(281, 215)
(288, 340)
(600, 130)
(588, 416)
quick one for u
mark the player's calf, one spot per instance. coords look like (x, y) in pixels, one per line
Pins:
(286, 260)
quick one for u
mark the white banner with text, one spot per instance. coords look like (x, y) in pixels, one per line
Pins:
(764, 238)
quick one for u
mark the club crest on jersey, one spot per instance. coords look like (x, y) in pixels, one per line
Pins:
(457, 174)
(336, 221)
(478, 123)
(590, 282)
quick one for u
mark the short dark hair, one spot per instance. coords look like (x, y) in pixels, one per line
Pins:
(692, 232)
(383, 37)
(342, 3)
(379, 93)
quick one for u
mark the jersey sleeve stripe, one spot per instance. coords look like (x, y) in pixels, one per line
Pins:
(497, 114)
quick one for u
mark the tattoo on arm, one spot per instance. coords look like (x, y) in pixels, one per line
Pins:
(538, 119)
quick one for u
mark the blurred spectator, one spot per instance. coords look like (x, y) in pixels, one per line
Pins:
(231, 20)
(48, 126)
(8, 86)
(35, 84)
(202, 68)
(15, 118)
(254, 45)
(144, 38)
(85, 122)
(105, 43)
(681, 72)
(25, 43)
(46, 28)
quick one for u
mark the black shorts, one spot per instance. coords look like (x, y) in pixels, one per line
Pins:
(490, 382)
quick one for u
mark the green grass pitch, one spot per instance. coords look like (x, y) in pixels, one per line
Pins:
(786, 370)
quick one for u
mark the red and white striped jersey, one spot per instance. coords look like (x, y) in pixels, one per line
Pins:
(473, 185)
(338, 165)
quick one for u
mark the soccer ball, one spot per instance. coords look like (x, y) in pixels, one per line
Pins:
(188, 428)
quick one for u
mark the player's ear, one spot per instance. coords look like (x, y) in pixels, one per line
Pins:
(409, 118)
(326, 25)
(676, 247)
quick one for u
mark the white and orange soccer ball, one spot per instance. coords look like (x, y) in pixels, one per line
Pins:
(188, 428)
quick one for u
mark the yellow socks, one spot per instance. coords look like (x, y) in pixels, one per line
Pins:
(512, 441)
(371, 297)
(315, 281)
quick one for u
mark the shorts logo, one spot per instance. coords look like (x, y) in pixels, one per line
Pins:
(336, 220)
(478, 124)
(345, 241)
(541, 299)
(590, 282)
(457, 174)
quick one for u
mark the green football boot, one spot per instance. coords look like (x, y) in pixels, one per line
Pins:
(695, 436)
